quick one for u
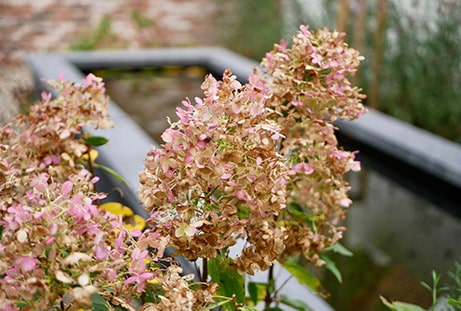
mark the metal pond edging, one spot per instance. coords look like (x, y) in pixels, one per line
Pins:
(420, 161)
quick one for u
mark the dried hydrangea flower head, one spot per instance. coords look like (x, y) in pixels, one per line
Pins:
(44, 138)
(310, 90)
(54, 240)
(53, 236)
(259, 162)
(218, 175)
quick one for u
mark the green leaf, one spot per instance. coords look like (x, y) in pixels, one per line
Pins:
(299, 214)
(111, 172)
(330, 265)
(400, 306)
(292, 206)
(229, 280)
(426, 286)
(99, 303)
(1, 232)
(243, 212)
(296, 304)
(340, 249)
(257, 291)
(21, 304)
(63, 252)
(303, 275)
(218, 304)
(47, 251)
(454, 302)
(95, 141)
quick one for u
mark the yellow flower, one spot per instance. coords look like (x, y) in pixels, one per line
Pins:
(134, 222)
(130, 220)
(157, 280)
(93, 155)
(117, 209)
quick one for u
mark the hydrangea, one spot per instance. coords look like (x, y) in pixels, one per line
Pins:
(257, 162)
(58, 248)
(260, 161)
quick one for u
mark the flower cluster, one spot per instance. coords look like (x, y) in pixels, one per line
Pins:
(44, 137)
(178, 294)
(218, 175)
(58, 248)
(259, 162)
(310, 90)
(311, 77)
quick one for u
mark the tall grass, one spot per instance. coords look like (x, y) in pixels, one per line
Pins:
(252, 27)
(421, 70)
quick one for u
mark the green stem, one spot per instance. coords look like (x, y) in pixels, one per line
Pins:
(91, 167)
(90, 162)
(270, 279)
(204, 276)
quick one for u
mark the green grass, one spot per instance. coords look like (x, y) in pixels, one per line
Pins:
(140, 20)
(95, 39)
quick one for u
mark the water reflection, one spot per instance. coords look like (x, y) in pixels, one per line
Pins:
(398, 238)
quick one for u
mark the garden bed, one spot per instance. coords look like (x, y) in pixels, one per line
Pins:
(419, 161)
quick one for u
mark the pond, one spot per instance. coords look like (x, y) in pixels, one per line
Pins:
(397, 237)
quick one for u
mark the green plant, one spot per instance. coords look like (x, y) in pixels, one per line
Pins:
(140, 20)
(245, 26)
(447, 297)
(454, 288)
(421, 73)
(97, 38)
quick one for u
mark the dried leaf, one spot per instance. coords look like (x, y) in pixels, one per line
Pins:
(63, 277)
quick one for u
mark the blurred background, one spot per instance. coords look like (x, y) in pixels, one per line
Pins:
(412, 47)
(412, 71)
